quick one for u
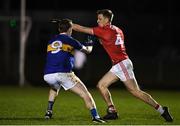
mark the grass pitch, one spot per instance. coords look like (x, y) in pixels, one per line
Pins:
(27, 105)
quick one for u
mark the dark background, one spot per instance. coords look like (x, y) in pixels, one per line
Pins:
(151, 30)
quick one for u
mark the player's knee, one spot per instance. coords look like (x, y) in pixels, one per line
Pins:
(101, 86)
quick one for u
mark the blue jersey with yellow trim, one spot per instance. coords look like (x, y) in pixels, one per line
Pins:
(60, 54)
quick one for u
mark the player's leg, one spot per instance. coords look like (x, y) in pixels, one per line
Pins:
(53, 93)
(128, 78)
(108, 79)
(134, 89)
(81, 90)
(74, 84)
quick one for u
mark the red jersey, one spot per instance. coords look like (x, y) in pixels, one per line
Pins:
(112, 39)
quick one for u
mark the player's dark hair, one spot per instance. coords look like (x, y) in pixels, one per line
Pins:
(63, 25)
(106, 13)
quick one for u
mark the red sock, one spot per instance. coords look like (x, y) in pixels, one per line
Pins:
(111, 109)
(157, 106)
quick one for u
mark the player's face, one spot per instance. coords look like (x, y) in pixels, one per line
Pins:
(101, 20)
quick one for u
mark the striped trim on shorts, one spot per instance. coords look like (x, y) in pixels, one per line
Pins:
(123, 70)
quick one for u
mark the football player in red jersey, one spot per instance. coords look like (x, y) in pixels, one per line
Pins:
(112, 39)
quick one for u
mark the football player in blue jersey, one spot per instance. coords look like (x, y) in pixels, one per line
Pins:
(58, 69)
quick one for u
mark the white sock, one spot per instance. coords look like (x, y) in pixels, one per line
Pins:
(160, 110)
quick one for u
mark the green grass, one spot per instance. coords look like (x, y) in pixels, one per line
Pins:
(26, 106)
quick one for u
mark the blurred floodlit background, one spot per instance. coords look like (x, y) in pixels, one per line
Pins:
(151, 31)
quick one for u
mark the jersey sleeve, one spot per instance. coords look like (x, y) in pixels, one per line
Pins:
(98, 31)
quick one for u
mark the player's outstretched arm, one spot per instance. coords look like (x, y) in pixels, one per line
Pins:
(83, 29)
